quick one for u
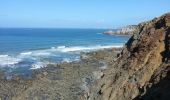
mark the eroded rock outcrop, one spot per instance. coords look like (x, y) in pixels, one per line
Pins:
(128, 30)
(142, 70)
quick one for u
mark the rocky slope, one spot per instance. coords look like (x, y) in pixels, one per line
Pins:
(142, 70)
(128, 30)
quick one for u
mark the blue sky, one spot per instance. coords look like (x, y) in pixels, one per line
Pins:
(79, 13)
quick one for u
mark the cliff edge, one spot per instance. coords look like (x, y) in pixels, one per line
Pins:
(142, 69)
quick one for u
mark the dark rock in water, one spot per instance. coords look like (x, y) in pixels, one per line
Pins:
(65, 81)
(142, 72)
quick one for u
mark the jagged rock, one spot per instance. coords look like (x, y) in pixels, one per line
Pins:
(143, 69)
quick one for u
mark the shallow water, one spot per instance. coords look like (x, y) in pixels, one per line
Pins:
(23, 50)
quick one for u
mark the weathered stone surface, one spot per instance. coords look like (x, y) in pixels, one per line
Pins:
(142, 69)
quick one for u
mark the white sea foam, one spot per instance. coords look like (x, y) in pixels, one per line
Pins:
(88, 48)
(41, 53)
(26, 53)
(64, 49)
(38, 65)
(3, 56)
(66, 60)
(61, 47)
(37, 55)
(6, 60)
(71, 49)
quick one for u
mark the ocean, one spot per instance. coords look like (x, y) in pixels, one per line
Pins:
(26, 49)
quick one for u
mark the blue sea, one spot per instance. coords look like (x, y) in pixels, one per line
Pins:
(25, 49)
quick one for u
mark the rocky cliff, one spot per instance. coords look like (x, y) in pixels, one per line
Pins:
(142, 69)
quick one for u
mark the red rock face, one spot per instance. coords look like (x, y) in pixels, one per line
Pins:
(142, 70)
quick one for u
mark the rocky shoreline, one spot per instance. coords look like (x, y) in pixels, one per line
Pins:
(127, 30)
(65, 81)
(139, 71)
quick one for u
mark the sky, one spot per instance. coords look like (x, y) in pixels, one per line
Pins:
(79, 13)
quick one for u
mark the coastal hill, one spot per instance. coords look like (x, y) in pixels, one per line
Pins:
(138, 71)
(142, 70)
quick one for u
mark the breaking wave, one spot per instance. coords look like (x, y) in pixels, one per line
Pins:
(61, 53)
(88, 48)
(6, 60)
